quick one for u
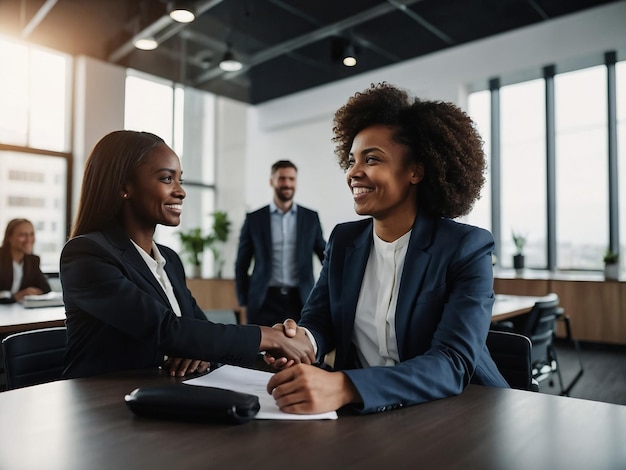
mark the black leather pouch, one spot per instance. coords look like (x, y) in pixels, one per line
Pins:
(192, 403)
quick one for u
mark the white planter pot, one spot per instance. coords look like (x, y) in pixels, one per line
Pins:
(611, 271)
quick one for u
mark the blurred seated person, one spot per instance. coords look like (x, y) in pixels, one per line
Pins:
(20, 274)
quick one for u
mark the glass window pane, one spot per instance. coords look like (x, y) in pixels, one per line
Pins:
(49, 101)
(34, 187)
(14, 93)
(620, 72)
(479, 105)
(581, 168)
(149, 107)
(523, 167)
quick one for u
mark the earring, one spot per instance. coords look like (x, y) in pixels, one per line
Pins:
(125, 195)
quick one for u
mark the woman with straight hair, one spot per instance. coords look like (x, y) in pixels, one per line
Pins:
(125, 296)
(20, 274)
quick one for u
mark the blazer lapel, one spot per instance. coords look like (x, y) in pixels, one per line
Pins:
(118, 238)
(356, 258)
(413, 273)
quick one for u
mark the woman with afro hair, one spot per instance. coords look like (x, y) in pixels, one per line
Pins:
(405, 295)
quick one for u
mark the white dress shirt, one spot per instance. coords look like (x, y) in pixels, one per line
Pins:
(157, 265)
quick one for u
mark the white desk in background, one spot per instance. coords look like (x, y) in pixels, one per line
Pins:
(507, 306)
(14, 318)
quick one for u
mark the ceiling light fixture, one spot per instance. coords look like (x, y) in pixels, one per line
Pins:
(349, 58)
(181, 11)
(146, 44)
(229, 63)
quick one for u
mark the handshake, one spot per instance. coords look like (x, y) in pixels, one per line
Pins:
(285, 344)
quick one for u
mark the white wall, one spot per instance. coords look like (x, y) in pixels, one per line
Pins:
(299, 126)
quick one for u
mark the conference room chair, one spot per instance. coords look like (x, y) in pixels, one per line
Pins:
(34, 357)
(539, 325)
(512, 354)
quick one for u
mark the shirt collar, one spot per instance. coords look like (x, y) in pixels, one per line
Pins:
(274, 208)
(157, 262)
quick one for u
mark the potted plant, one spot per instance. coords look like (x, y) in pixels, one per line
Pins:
(518, 258)
(611, 265)
(219, 236)
(194, 243)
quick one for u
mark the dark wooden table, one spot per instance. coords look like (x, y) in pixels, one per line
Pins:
(85, 424)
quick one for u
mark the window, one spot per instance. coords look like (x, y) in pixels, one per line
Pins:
(160, 107)
(577, 207)
(479, 105)
(620, 72)
(581, 168)
(34, 144)
(35, 97)
(523, 171)
(36, 200)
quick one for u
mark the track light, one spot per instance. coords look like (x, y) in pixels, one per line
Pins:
(349, 57)
(146, 44)
(229, 63)
(181, 11)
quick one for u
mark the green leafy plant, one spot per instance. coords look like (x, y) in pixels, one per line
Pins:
(219, 236)
(610, 257)
(194, 242)
(520, 241)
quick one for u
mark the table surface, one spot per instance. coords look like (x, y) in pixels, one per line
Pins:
(507, 306)
(14, 317)
(84, 423)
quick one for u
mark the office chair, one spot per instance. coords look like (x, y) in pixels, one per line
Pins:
(34, 357)
(539, 325)
(512, 352)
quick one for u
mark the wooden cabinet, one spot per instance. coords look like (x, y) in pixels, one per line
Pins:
(216, 294)
(597, 309)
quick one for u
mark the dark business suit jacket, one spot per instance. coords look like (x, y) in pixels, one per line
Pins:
(442, 318)
(255, 241)
(118, 316)
(33, 277)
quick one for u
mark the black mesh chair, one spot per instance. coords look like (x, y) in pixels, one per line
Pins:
(512, 352)
(539, 325)
(34, 357)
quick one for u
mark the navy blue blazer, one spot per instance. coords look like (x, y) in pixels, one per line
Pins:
(255, 241)
(118, 316)
(33, 277)
(442, 318)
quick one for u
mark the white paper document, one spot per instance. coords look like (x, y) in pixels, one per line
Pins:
(253, 382)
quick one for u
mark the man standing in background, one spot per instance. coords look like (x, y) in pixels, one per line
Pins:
(281, 238)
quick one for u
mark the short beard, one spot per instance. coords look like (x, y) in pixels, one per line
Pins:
(281, 197)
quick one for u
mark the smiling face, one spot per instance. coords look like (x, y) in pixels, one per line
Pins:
(284, 181)
(22, 240)
(382, 181)
(154, 194)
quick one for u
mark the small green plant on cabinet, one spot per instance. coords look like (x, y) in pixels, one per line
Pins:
(520, 241)
(610, 257)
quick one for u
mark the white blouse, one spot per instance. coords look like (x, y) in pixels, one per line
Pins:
(374, 325)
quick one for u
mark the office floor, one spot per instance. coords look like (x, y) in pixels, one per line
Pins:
(604, 376)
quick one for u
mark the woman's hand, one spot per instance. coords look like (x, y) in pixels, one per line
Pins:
(19, 295)
(180, 367)
(304, 389)
(290, 345)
